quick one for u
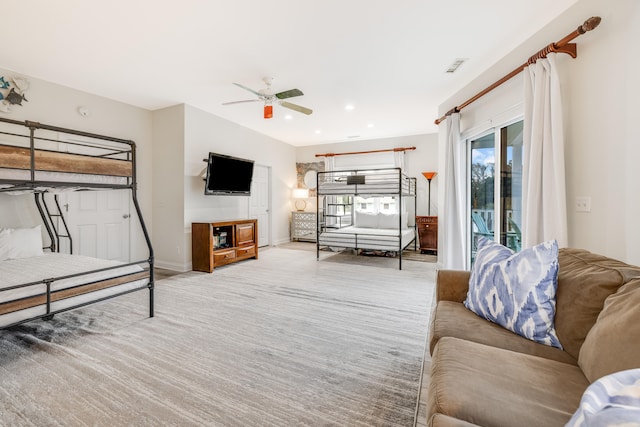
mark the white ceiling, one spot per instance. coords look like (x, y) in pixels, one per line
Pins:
(387, 59)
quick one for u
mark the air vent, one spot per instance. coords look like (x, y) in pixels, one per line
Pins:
(456, 64)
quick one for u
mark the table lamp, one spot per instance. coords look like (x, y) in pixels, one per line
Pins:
(300, 194)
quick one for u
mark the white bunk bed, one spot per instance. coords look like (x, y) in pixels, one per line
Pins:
(37, 281)
(362, 230)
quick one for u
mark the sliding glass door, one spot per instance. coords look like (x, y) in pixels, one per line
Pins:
(495, 205)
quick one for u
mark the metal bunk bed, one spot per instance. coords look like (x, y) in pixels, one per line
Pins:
(339, 225)
(33, 159)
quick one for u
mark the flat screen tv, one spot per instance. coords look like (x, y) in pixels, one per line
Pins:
(228, 176)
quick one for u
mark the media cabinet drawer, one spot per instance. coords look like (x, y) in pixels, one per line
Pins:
(220, 257)
(246, 251)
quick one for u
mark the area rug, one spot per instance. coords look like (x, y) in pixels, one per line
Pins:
(283, 340)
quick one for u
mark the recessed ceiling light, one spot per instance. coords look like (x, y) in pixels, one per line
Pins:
(370, 125)
(349, 107)
(318, 132)
(288, 117)
(353, 136)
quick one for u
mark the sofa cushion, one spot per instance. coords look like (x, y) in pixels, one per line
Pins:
(452, 285)
(585, 280)
(439, 420)
(613, 344)
(516, 290)
(452, 319)
(490, 386)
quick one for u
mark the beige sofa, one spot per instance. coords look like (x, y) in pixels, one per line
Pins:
(482, 374)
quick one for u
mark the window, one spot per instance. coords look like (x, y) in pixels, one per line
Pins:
(495, 205)
(385, 204)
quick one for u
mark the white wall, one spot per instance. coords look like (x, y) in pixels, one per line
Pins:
(57, 105)
(183, 137)
(208, 133)
(168, 190)
(600, 89)
(423, 159)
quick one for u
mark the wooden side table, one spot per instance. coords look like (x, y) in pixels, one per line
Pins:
(428, 233)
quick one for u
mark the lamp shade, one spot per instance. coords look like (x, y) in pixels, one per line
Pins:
(429, 175)
(300, 193)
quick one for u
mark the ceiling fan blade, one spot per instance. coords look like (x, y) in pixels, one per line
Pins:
(249, 89)
(289, 94)
(241, 102)
(296, 107)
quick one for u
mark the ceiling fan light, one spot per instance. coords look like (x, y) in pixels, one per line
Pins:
(268, 111)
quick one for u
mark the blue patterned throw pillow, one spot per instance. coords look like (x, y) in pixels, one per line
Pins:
(613, 400)
(516, 290)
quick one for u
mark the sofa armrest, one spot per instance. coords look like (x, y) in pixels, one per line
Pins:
(452, 285)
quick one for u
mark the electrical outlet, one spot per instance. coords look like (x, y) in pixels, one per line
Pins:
(583, 204)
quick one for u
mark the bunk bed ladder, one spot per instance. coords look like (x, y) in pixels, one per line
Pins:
(56, 225)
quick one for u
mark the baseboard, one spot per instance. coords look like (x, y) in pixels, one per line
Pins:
(280, 241)
(173, 266)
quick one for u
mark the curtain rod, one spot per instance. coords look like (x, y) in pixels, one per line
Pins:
(561, 46)
(366, 152)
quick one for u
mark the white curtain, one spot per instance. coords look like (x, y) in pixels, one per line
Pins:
(454, 222)
(329, 166)
(398, 159)
(544, 214)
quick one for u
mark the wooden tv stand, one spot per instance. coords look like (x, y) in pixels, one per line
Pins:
(219, 243)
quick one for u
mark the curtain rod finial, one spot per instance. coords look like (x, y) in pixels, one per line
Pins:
(589, 24)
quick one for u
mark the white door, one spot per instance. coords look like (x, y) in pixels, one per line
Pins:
(99, 223)
(259, 203)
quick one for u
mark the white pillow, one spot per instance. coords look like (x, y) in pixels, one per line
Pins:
(387, 220)
(20, 243)
(391, 220)
(366, 220)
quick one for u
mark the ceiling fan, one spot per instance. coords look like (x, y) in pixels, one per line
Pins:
(268, 97)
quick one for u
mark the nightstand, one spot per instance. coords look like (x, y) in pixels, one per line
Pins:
(304, 226)
(428, 232)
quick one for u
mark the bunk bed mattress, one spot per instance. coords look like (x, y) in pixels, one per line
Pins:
(26, 270)
(379, 187)
(61, 177)
(385, 239)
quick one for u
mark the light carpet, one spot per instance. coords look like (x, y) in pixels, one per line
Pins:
(283, 340)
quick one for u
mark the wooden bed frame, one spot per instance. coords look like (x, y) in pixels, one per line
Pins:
(116, 158)
(44, 160)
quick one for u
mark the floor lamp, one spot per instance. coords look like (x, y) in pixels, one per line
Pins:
(429, 176)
